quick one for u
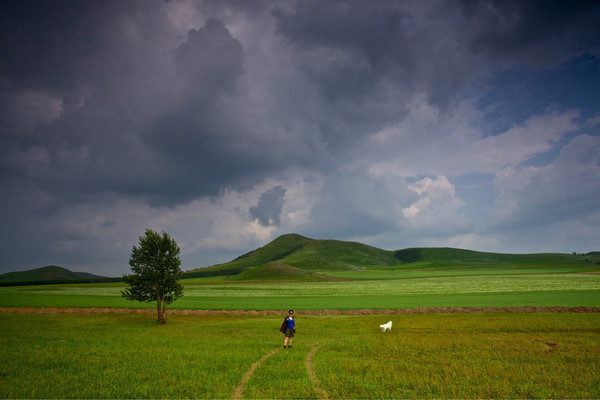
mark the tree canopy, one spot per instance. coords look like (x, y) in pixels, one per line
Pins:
(156, 271)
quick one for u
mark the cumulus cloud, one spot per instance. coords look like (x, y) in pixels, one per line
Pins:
(437, 207)
(567, 188)
(427, 142)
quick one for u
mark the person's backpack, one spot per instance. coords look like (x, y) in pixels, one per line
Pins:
(282, 329)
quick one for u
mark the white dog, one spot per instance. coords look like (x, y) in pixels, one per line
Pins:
(386, 327)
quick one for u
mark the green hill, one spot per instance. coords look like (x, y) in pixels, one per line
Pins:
(306, 254)
(49, 274)
(298, 253)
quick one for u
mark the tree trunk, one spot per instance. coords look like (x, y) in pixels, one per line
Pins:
(157, 309)
(160, 309)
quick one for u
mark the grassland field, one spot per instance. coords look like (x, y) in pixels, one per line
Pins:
(487, 355)
(478, 355)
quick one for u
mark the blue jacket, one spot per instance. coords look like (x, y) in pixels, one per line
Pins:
(290, 324)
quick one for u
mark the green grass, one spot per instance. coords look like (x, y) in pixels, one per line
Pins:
(121, 357)
(276, 271)
(466, 356)
(500, 355)
(414, 290)
(339, 255)
(541, 355)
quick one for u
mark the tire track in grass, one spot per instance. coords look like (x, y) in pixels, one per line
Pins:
(313, 376)
(237, 394)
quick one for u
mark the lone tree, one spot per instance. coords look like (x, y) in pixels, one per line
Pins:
(156, 272)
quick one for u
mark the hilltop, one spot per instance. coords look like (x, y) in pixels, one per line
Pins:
(298, 257)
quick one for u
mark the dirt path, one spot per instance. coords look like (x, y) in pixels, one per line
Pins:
(237, 393)
(313, 376)
(437, 310)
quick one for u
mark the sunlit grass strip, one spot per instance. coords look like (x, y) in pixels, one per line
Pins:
(422, 285)
(434, 285)
(561, 289)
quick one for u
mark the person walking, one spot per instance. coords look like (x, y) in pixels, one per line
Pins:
(290, 328)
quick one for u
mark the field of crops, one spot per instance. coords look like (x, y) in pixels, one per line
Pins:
(500, 355)
(369, 289)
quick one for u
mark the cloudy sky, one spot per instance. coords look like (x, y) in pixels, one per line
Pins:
(470, 124)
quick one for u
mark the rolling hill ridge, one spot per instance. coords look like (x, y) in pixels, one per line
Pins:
(293, 252)
(293, 257)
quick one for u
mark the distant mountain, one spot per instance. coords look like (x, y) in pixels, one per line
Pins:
(49, 274)
(293, 253)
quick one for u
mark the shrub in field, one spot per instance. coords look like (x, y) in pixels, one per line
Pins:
(156, 272)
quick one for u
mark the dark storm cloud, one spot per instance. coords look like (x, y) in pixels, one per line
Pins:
(270, 204)
(86, 68)
(135, 116)
(437, 50)
(138, 109)
(329, 117)
(211, 59)
(63, 46)
(540, 33)
(350, 42)
(374, 36)
(193, 137)
(142, 113)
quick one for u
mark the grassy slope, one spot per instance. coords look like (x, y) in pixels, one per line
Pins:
(274, 251)
(337, 255)
(276, 271)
